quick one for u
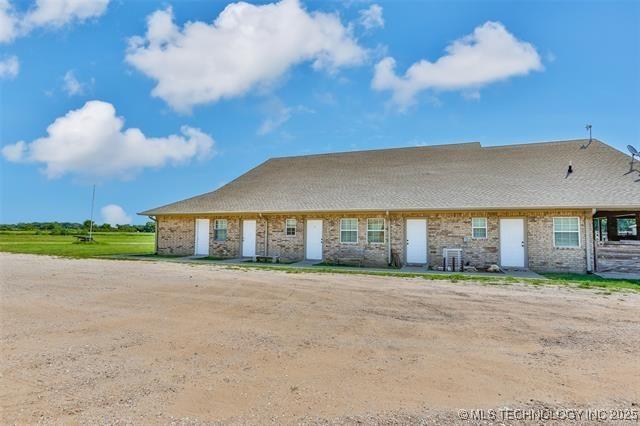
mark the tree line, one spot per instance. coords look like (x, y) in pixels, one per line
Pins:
(72, 228)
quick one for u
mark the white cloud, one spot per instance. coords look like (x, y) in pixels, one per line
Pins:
(113, 214)
(56, 13)
(245, 47)
(91, 141)
(46, 13)
(487, 55)
(371, 17)
(72, 85)
(277, 113)
(8, 22)
(9, 67)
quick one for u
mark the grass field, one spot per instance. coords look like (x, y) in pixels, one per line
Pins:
(106, 243)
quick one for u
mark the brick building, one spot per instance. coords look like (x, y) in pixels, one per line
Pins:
(530, 206)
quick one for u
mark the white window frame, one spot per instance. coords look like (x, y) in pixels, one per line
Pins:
(286, 227)
(349, 230)
(485, 227)
(217, 228)
(384, 230)
(579, 233)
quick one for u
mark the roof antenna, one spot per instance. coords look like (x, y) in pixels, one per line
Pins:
(634, 153)
(588, 127)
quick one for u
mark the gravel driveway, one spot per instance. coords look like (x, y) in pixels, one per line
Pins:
(156, 342)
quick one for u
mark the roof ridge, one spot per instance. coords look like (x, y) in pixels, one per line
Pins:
(398, 148)
(555, 142)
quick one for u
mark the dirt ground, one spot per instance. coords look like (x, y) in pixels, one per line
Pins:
(158, 342)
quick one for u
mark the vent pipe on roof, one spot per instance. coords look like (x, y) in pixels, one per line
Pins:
(588, 127)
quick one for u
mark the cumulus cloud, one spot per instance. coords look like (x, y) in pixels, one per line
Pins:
(489, 54)
(56, 13)
(113, 214)
(46, 13)
(9, 67)
(244, 47)
(92, 141)
(8, 22)
(371, 17)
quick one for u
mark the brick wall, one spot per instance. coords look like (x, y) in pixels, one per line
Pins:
(373, 254)
(176, 235)
(288, 247)
(444, 230)
(544, 257)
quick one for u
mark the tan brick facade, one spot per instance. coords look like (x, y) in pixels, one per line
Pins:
(444, 230)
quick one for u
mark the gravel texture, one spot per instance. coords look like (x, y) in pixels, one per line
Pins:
(103, 341)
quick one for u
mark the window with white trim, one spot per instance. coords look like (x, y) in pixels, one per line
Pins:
(220, 229)
(349, 231)
(566, 232)
(290, 227)
(479, 227)
(375, 230)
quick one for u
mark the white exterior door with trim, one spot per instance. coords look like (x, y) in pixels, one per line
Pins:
(417, 241)
(512, 243)
(313, 247)
(248, 238)
(202, 237)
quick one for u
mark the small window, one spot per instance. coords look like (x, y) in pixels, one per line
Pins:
(290, 225)
(627, 226)
(375, 230)
(349, 231)
(220, 230)
(479, 227)
(566, 232)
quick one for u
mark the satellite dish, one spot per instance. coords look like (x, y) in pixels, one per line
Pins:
(632, 150)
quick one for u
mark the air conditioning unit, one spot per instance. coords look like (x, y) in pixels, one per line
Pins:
(452, 259)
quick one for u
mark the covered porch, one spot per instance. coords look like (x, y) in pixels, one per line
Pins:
(616, 241)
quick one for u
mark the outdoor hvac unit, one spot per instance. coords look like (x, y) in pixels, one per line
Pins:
(452, 259)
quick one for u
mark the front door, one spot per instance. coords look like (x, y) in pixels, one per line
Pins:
(313, 233)
(248, 238)
(417, 241)
(512, 243)
(202, 237)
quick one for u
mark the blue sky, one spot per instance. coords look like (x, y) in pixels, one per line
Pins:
(211, 101)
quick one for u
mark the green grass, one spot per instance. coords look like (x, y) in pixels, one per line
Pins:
(107, 243)
(570, 280)
(593, 281)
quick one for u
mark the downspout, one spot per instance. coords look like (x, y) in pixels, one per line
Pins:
(155, 219)
(266, 236)
(388, 238)
(592, 265)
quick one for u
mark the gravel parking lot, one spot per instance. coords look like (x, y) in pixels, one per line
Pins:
(157, 342)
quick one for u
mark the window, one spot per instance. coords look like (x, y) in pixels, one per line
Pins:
(375, 230)
(566, 232)
(349, 231)
(220, 230)
(479, 227)
(627, 226)
(290, 227)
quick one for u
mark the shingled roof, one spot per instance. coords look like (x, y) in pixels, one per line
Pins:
(464, 176)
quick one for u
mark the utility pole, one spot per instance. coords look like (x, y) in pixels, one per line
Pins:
(93, 198)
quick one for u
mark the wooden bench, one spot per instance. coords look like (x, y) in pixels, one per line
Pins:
(351, 257)
(271, 259)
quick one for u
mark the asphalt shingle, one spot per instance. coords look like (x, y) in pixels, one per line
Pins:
(446, 177)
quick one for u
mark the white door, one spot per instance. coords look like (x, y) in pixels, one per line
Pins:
(314, 240)
(512, 243)
(417, 241)
(202, 237)
(248, 238)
